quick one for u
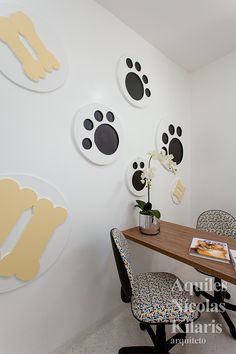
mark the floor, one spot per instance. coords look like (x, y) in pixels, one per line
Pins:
(124, 330)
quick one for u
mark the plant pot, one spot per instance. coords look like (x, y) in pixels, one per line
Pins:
(148, 224)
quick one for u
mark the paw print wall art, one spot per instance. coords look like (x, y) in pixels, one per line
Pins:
(98, 133)
(33, 229)
(30, 54)
(170, 139)
(133, 176)
(134, 81)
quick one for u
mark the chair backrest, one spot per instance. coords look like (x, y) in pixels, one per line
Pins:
(217, 221)
(122, 258)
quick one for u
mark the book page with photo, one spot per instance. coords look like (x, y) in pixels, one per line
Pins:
(210, 249)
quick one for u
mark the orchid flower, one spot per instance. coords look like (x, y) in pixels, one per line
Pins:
(165, 160)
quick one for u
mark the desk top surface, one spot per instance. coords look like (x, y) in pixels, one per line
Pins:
(174, 241)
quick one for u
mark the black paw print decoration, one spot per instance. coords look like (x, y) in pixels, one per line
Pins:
(170, 140)
(133, 176)
(98, 133)
(134, 82)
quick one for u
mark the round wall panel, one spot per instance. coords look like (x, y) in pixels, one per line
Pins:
(34, 229)
(98, 133)
(170, 139)
(133, 176)
(178, 191)
(31, 56)
(134, 81)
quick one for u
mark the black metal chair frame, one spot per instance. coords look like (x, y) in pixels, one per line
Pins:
(160, 344)
(220, 294)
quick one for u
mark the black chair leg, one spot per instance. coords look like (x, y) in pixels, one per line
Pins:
(148, 328)
(230, 306)
(160, 342)
(177, 337)
(138, 350)
(161, 346)
(199, 292)
(230, 324)
(219, 295)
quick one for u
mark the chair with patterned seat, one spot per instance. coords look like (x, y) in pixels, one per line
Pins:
(156, 299)
(221, 223)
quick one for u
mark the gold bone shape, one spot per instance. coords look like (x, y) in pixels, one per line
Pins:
(179, 191)
(24, 260)
(20, 24)
(13, 202)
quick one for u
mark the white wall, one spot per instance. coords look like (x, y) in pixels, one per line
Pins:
(35, 138)
(213, 127)
(214, 137)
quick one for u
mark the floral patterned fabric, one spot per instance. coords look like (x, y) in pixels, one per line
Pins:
(156, 297)
(217, 221)
(161, 298)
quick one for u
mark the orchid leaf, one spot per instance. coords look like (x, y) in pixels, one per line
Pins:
(140, 204)
(155, 213)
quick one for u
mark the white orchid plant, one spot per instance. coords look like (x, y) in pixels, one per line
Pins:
(147, 177)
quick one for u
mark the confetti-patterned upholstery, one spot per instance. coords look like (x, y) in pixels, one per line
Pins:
(161, 298)
(156, 297)
(217, 221)
(123, 248)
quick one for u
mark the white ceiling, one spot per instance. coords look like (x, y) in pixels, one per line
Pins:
(192, 33)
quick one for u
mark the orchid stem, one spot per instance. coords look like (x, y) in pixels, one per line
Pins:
(148, 193)
(148, 182)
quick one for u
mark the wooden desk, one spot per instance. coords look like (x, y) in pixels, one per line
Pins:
(174, 241)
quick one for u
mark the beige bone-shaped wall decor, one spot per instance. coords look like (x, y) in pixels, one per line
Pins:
(178, 192)
(24, 260)
(13, 202)
(19, 24)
